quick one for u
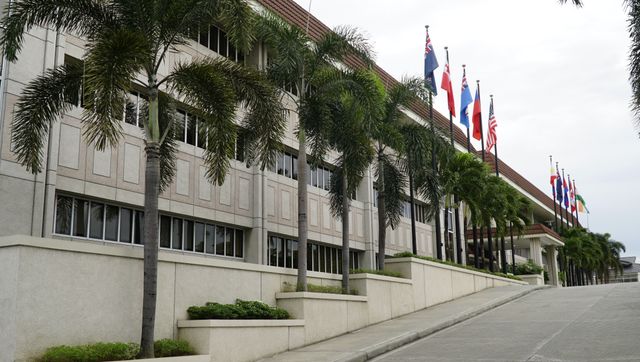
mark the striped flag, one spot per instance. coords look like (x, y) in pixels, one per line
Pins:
(430, 65)
(492, 137)
(572, 196)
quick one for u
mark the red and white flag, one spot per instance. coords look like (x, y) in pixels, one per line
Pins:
(492, 138)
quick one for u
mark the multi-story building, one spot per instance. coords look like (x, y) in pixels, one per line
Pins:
(97, 196)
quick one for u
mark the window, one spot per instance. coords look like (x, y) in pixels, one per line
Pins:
(283, 252)
(96, 220)
(74, 98)
(133, 109)
(217, 40)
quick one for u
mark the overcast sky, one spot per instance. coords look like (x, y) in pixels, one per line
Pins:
(559, 79)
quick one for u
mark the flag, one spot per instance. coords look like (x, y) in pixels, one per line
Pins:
(446, 85)
(572, 198)
(430, 64)
(558, 188)
(492, 137)
(566, 192)
(582, 206)
(553, 176)
(465, 100)
(477, 117)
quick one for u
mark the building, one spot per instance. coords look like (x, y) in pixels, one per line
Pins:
(630, 271)
(97, 196)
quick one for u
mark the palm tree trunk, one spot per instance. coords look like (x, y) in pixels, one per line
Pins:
(382, 222)
(151, 193)
(302, 212)
(345, 234)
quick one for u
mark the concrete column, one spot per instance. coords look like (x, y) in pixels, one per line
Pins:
(535, 248)
(370, 222)
(552, 264)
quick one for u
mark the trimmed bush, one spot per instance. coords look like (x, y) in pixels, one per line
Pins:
(408, 254)
(240, 310)
(172, 348)
(530, 267)
(387, 273)
(96, 352)
(314, 288)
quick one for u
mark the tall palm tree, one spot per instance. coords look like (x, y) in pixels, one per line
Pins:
(127, 39)
(304, 64)
(347, 131)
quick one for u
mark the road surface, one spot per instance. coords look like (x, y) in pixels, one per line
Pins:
(595, 323)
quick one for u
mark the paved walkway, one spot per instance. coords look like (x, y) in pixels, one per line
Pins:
(377, 339)
(595, 323)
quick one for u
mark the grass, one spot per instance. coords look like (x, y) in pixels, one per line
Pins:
(242, 309)
(408, 254)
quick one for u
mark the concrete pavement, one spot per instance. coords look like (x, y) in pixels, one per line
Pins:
(377, 339)
(595, 323)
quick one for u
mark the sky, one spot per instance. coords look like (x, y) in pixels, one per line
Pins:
(559, 76)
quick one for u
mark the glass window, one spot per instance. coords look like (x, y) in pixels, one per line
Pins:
(220, 240)
(191, 126)
(288, 258)
(176, 234)
(294, 253)
(188, 235)
(204, 38)
(309, 174)
(280, 164)
(111, 223)
(126, 222)
(339, 261)
(80, 217)
(239, 244)
(64, 206)
(210, 239)
(287, 165)
(229, 242)
(322, 258)
(316, 260)
(130, 112)
(96, 224)
(281, 251)
(326, 179)
(240, 147)
(202, 135)
(138, 231)
(334, 260)
(309, 257)
(222, 49)
(314, 177)
(199, 237)
(213, 39)
(294, 167)
(165, 231)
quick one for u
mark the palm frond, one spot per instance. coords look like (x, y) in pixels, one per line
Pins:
(110, 65)
(237, 18)
(42, 101)
(395, 182)
(83, 17)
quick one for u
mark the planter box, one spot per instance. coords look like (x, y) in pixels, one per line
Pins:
(241, 340)
(533, 279)
(325, 315)
(389, 297)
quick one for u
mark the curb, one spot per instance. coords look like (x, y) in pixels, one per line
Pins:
(409, 337)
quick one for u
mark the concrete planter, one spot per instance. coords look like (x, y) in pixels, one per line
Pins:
(325, 315)
(533, 279)
(389, 297)
(241, 340)
(435, 283)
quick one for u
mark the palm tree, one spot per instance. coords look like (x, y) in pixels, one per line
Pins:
(347, 131)
(126, 39)
(307, 69)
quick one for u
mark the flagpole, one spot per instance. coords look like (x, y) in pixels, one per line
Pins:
(566, 214)
(571, 198)
(489, 241)
(476, 250)
(458, 253)
(502, 251)
(434, 165)
(553, 191)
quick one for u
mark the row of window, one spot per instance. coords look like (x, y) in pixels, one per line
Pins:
(218, 41)
(96, 220)
(419, 208)
(283, 252)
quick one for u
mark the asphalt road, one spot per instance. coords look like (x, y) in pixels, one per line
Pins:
(595, 323)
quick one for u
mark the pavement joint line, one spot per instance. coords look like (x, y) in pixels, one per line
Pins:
(378, 349)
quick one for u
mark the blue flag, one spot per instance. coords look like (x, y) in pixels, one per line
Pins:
(430, 64)
(559, 189)
(465, 100)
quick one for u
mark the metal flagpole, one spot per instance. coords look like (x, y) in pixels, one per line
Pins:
(489, 241)
(476, 249)
(566, 212)
(503, 253)
(571, 198)
(575, 190)
(553, 191)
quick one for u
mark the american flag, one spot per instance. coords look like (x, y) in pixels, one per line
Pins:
(492, 138)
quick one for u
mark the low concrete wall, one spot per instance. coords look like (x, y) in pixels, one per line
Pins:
(198, 358)
(388, 297)
(326, 315)
(242, 340)
(533, 279)
(56, 292)
(435, 283)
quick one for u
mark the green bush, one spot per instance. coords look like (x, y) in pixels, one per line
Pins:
(408, 254)
(388, 273)
(240, 310)
(91, 352)
(172, 348)
(528, 268)
(314, 288)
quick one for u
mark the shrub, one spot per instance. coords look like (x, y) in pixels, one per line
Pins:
(91, 352)
(314, 288)
(240, 310)
(388, 273)
(172, 348)
(408, 254)
(528, 268)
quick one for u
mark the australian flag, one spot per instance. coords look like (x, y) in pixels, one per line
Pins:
(430, 64)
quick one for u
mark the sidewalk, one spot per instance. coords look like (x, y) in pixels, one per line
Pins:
(379, 338)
